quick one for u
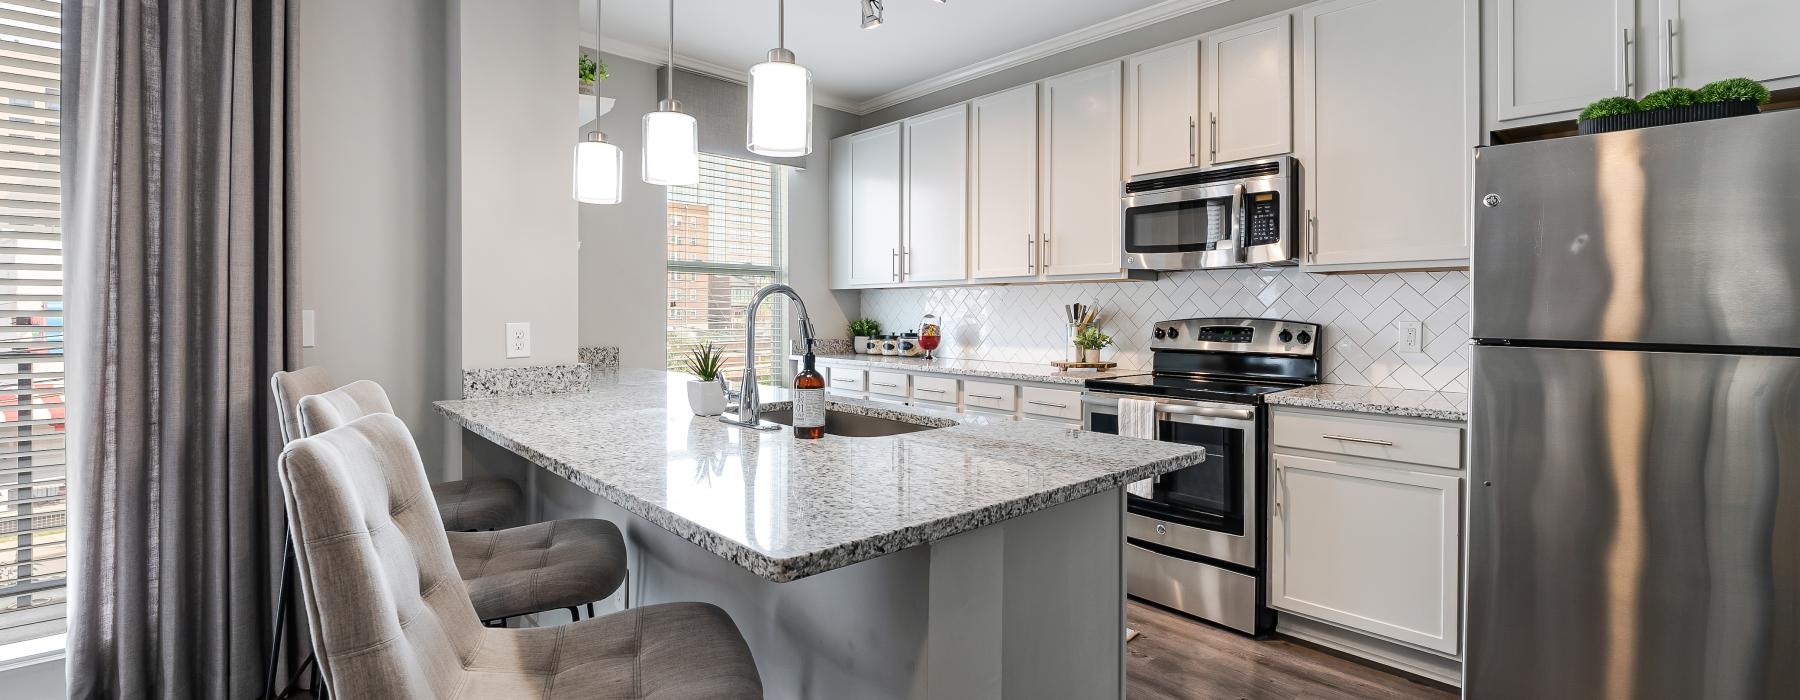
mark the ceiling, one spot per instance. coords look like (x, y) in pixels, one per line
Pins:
(922, 45)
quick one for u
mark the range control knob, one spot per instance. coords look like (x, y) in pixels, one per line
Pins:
(1157, 334)
(1173, 332)
(1304, 337)
(1285, 336)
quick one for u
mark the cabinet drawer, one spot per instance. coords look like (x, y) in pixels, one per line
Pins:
(934, 389)
(846, 379)
(887, 383)
(994, 397)
(1434, 445)
(1052, 403)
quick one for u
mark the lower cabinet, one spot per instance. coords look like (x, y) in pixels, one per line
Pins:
(1372, 548)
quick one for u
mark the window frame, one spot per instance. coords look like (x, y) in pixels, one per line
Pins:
(775, 368)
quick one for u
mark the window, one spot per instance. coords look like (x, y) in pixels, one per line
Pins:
(33, 491)
(725, 242)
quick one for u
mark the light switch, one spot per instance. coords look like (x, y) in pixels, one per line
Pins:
(1411, 336)
(306, 328)
(518, 340)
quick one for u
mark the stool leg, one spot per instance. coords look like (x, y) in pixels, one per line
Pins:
(281, 607)
(574, 613)
(590, 611)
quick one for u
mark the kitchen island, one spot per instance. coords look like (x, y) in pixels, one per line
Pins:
(979, 557)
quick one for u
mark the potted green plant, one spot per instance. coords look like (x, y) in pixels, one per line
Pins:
(1732, 97)
(589, 71)
(861, 331)
(706, 392)
(1092, 341)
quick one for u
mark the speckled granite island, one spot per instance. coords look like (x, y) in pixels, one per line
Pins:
(978, 558)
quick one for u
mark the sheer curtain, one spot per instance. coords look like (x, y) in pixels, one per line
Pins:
(181, 302)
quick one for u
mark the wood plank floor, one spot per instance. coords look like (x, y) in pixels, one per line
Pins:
(1176, 657)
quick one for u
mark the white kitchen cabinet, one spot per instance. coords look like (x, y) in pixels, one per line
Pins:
(1248, 91)
(1372, 548)
(1003, 143)
(1162, 102)
(1556, 56)
(838, 208)
(872, 243)
(1389, 113)
(1080, 167)
(1700, 41)
(935, 210)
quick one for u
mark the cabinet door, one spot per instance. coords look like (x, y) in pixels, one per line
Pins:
(1706, 40)
(1249, 91)
(1559, 55)
(1375, 549)
(1388, 118)
(936, 196)
(1162, 99)
(1080, 171)
(875, 206)
(839, 207)
(1004, 157)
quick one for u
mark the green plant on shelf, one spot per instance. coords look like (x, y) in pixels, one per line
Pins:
(1090, 338)
(1734, 90)
(705, 362)
(1611, 107)
(865, 328)
(591, 71)
(1670, 97)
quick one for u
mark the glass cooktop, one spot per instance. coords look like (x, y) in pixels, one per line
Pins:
(1191, 387)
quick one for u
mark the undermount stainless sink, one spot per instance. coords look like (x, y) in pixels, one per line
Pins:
(844, 424)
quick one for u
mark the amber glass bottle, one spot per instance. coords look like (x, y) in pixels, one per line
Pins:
(809, 399)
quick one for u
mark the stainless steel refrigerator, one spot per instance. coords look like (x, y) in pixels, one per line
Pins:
(1634, 527)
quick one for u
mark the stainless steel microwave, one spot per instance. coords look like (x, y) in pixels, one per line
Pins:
(1238, 215)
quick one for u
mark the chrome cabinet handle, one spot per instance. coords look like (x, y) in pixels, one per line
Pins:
(1046, 403)
(1365, 441)
(890, 386)
(895, 264)
(1212, 139)
(1674, 61)
(1031, 254)
(1626, 59)
(930, 391)
(1281, 481)
(906, 263)
(1193, 137)
(1312, 237)
(984, 396)
(845, 380)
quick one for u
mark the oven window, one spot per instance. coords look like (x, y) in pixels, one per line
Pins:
(1178, 227)
(1209, 495)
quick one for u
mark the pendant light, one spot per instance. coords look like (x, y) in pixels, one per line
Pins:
(599, 166)
(671, 139)
(780, 100)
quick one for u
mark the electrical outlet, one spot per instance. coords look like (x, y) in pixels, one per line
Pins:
(1411, 336)
(518, 340)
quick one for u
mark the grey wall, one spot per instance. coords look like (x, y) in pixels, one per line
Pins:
(1173, 29)
(370, 120)
(623, 246)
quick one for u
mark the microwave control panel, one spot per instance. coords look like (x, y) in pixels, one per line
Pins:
(1262, 218)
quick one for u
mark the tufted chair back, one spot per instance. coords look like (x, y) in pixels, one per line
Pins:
(289, 388)
(389, 614)
(325, 410)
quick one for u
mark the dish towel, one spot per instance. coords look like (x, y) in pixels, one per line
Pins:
(1137, 418)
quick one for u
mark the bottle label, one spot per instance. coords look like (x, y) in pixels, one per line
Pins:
(809, 408)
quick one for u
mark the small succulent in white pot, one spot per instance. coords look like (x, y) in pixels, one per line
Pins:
(706, 394)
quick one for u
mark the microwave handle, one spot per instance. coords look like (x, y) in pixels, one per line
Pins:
(1240, 230)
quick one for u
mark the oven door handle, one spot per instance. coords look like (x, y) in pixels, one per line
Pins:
(1182, 409)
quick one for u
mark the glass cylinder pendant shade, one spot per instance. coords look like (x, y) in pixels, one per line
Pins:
(671, 147)
(780, 107)
(599, 171)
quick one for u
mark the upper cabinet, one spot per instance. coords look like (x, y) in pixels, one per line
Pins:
(1556, 56)
(1705, 40)
(872, 243)
(1248, 91)
(935, 207)
(1079, 171)
(1162, 103)
(1003, 147)
(1388, 118)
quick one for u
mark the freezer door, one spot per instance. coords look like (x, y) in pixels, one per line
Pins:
(1634, 525)
(1685, 234)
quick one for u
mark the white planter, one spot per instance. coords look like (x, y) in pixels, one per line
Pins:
(705, 398)
(1093, 354)
(860, 345)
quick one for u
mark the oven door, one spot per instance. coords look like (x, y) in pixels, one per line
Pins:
(1209, 509)
(1186, 228)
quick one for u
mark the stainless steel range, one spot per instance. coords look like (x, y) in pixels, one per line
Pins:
(1194, 538)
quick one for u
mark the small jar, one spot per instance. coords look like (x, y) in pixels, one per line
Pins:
(909, 345)
(871, 345)
(890, 345)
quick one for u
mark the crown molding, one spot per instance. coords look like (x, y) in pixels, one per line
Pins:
(1168, 9)
(741, 76)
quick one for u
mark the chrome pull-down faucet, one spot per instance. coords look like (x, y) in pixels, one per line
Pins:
(749, 413)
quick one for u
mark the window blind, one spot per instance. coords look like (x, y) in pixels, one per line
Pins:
(725, 242)
(33, 486)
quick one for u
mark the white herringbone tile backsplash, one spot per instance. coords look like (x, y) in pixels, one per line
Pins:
(1025, 323)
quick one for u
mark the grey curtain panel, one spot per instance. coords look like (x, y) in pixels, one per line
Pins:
(181, 302)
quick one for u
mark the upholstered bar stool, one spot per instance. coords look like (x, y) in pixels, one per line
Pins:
(558, 565)
(478, 503)
(391, 618)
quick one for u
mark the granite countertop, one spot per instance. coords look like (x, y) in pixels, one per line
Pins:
(1011, 371)
(1414, 403)
(786, 509)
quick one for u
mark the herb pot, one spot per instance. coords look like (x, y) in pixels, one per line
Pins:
(860, 344)
(1667, 116)
(705, 398)
(1093, 354)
